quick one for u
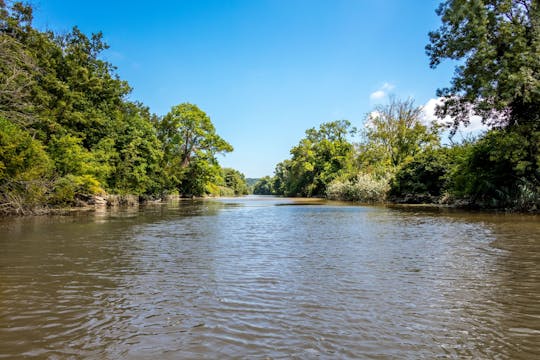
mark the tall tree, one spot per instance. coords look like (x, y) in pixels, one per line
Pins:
(319, 158)
(187, 131)
(17, 65)
(497, 44)
(235, 180)
(190, 143)
(395, 133)
(17, 69)
(264, 186)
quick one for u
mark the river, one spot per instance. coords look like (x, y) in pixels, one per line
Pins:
(270, 278)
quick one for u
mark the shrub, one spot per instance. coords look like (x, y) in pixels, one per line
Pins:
(22, 158)
(528, 196)
(423, 177)
(501, 170)
(70, 189)
(226, 191)
(264, 186)
(364, 188)
(25, 169)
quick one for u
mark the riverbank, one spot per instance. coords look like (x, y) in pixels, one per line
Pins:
(90, 204)
(94, 203)
(462, 204)
(81, 203)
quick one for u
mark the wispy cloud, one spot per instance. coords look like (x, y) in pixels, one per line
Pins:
(382, 91)
(379, 94)
(388, 87)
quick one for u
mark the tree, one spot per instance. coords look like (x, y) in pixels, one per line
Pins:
(498, 45)
(235, 180)
(58, 93)
(424, 177)
(190, 144)
(17, 69)
(187, 131)
(500, 170)
(137, 153)
(22, 158)
(264, 186)
(319, 158)
(393, 134)
(25, 169)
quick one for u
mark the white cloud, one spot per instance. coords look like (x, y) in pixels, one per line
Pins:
(428, 112)
(475, 126)
(388, 87)
(379, 94)
(368, 121)
(382, 91)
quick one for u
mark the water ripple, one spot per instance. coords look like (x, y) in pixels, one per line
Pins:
(244, 278)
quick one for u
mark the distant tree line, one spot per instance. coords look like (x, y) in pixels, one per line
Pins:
(68, 131)
(399, 158)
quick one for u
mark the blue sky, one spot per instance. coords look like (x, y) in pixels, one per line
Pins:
(263, 70)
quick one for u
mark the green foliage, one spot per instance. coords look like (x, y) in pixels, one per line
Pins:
(326, 163)
(137, 153)
(187, 132)
(498, 77)
(422, 177)
(393, 135)
(200, 178)
(17, 71)
(498, 45)
(69, 189)
(22, 158)
(25, 169)
(64, 115)
(235, 180)
(190, 144)
(500, 169)
(364, 188)
(225, 191)
(320, 157)
(264, 186)
(69, 156)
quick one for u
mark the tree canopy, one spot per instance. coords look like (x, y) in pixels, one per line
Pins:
(321, 156)
(190, 145)
(497, 44)
(395, 133)
(69, 130)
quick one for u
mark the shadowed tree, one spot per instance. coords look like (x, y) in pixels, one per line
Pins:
(497, 44)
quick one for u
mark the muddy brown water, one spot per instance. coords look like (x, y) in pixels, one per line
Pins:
(269, 278)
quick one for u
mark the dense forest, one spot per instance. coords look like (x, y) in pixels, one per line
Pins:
(68, 131)
(398, 157)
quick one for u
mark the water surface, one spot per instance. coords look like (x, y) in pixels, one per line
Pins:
(270, 278)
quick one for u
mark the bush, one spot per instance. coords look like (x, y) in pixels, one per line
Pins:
(264, 186)
(501, 170)
(365, 188)
(24, 170)
(528, 197)
(423, 178)
(226, 191)
(234, 180)
(71, 189)
(22, 158)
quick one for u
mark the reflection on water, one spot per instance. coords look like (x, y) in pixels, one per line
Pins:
(248, 278)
